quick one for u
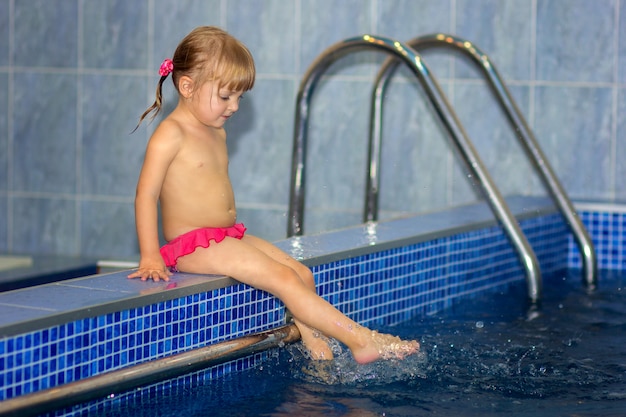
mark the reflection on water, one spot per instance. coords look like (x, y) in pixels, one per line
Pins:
(486, 358)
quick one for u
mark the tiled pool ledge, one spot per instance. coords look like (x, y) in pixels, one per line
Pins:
(52, 304)
(381, 273)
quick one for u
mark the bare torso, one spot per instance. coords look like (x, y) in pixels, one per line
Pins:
(197, 191)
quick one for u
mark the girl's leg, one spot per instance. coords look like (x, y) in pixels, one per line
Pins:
(242, 260)
(314, 341)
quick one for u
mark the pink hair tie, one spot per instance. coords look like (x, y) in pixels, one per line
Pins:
(166, 67)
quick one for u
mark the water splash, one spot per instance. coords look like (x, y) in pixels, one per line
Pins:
(344, 370)
(568, 351)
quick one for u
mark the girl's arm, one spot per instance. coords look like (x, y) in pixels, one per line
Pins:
(161, 150)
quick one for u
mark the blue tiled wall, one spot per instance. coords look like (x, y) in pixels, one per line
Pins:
(391, 287)
(73, 351)
(384, 287)
(76, 74)
(608, 232)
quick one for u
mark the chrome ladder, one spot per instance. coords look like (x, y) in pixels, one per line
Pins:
(402, 52)
(518, 123)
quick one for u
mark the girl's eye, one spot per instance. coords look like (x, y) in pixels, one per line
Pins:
(229, 97)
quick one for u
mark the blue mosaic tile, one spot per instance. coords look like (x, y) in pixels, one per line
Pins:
(385, 287)
(88, 347)
(392, 286)
(607, 231)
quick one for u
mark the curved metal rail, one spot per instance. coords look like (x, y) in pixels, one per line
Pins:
(523, 133)
(463, 146)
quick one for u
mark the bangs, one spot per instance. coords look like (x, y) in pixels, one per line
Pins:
(235, 68)
(210, 54)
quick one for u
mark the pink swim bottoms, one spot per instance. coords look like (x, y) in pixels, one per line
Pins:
(187, 243)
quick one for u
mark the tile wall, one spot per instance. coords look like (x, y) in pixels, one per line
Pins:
(383, 287)
(76, 74)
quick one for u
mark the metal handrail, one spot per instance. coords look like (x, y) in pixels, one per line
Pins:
(523, 133)
(133, 376)
(463, 145)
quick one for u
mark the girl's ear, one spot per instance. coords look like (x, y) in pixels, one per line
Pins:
(185, 86)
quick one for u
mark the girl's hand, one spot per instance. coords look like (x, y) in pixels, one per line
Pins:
(152, 270)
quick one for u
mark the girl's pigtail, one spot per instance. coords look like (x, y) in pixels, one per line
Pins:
(166, 68)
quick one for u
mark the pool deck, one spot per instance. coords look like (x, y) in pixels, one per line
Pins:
(31, 308)
(27, 271)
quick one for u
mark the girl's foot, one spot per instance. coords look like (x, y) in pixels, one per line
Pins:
(384, 346)
(315, 343)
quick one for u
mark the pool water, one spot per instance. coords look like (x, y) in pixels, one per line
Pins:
(491, 356)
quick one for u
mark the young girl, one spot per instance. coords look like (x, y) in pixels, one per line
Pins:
(186, 170)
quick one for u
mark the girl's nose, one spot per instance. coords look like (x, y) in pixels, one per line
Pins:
(233, 105)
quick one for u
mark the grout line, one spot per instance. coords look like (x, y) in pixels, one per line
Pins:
(532, 82)
(10, 128)
(150, 46)
(298, 41)
(70, 196)
(533, 40)
(451, 159)
(28, 307)
(614, 107)
(79, 129)
(374, 16)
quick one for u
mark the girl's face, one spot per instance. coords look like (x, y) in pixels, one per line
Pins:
(213, 106)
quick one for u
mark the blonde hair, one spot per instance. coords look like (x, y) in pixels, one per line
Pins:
(208, 53)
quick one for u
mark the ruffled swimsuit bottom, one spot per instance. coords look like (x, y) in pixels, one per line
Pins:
(187, 243)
